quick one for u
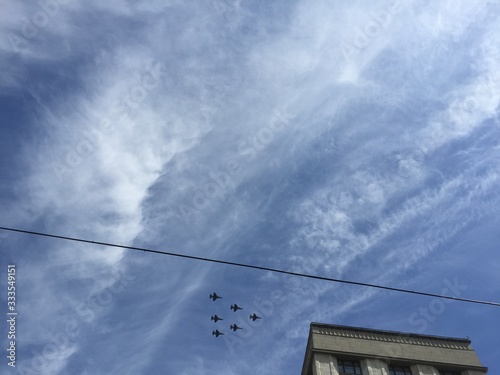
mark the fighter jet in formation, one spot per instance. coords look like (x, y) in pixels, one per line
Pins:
(215, 318)
(234, 327)
(217, 333)
(235, 307)
(254, 317)
(214, 296)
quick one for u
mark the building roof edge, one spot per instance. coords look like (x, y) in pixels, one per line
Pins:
(391, 333)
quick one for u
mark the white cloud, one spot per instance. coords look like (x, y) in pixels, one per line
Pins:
(350, 172)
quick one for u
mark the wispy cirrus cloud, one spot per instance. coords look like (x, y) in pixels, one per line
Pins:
(281, 150)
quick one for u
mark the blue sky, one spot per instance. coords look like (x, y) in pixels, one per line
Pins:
(357, 141)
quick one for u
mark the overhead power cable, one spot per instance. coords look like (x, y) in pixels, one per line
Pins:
(315, 277)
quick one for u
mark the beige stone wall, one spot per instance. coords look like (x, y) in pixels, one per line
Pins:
(411, 352)
(424, 370)
(325, 364)
(374, 367)
(376, 349)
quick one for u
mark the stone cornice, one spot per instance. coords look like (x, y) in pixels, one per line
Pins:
(388, 336)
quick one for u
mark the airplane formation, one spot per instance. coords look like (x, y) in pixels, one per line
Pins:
(235, 307)
(254, 317)
(234, 327)
(214, 296)
(215, 318)
(217, 333)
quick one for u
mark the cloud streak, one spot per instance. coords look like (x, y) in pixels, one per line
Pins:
(356, 141)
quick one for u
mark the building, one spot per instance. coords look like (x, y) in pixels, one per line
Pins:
(337, 350)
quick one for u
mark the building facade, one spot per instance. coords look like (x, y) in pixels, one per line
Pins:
(338, 350)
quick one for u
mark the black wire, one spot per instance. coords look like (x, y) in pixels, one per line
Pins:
(252, 266)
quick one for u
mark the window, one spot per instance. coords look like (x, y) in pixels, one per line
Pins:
(399, 370)
(349, 367)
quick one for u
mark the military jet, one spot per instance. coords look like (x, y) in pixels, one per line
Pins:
(215, 318)
(214, 296)
(234, 327)
(217, 333)
(235, 307)
(254, 317)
